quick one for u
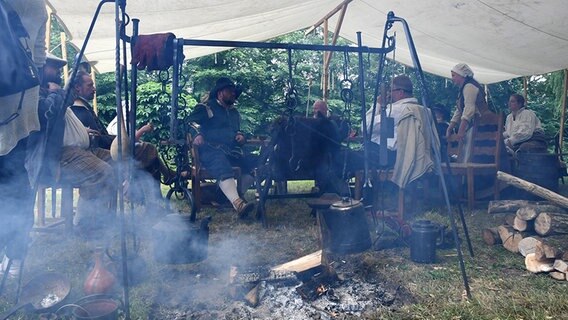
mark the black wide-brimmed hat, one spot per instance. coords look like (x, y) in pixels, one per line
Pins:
(223, 83)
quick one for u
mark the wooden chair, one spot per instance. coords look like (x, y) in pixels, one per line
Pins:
(485, 153)
(200, 174)
(66, 207)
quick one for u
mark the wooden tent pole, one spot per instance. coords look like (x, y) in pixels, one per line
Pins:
(335, 35)
(327, 16)
(325, 81)
(563, 112)
(63, 38)
(525, 89)
(48, 29)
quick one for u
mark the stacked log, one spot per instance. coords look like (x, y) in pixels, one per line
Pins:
(525, 227)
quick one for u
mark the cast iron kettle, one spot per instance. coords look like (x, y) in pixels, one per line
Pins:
(344, 227)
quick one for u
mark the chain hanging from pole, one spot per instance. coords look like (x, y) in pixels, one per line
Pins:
(346, 93)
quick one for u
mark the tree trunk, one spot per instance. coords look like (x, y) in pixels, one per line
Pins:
(547, 223)
(506, 206)
(491, 236)
(533, 188)
(528, 245)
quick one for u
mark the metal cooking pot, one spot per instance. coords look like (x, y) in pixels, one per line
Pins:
(177, 240)
(96, 307)
(344, 227)
(43, 294)
(423, 243)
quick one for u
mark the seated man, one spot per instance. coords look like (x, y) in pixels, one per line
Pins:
(72, 158)
(146, 154)
(401, 96)
(523, 130)
(219, 142)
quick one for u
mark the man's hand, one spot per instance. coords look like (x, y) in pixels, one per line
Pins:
(198, 140)
(240, 138)
(93, 132)
(53, 87)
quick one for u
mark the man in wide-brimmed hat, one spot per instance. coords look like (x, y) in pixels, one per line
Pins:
(219, 140)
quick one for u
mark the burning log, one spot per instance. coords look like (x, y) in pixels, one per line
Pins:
(305, 263)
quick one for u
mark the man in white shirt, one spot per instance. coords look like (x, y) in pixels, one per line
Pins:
(80, 165)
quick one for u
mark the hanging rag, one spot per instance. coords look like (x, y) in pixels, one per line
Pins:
(153, 51)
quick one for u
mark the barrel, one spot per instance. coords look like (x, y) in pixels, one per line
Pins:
(539, 168)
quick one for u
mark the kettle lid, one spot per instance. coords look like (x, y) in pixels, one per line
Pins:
(346, 203)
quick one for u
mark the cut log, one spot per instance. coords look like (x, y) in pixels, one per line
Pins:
(302, 264)
(528, 245)
(547, 223)
(564, 256)
(510, 219)
(560, 265)
(558, 275)
(531, 211)
(510, 238)
(535, 266)
(505, 206)
(491, 236)
(533, 188)
(523, 225)
(545, 251)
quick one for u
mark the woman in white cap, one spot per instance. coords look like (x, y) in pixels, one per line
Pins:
(471, 102)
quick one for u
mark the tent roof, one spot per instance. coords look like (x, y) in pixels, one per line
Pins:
(499, 39)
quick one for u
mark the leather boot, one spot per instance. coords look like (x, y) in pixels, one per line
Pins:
(242, 207)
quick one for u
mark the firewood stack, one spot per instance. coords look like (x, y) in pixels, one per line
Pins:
(524, 230)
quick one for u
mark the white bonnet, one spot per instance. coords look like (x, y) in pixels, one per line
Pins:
(463, 70)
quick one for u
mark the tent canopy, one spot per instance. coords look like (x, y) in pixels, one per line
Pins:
(499, 39)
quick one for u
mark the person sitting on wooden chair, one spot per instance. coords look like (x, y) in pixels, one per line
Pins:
(219, 142)
(523, 130)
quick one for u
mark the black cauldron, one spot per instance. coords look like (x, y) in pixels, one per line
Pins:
(178, 240)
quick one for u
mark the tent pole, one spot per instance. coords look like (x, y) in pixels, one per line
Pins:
(325, 81)
(525, 88)
(327, 16)
(63, 39)
(327, 55)
(563, 112)
(48, 28)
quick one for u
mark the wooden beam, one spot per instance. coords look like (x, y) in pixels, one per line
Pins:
(48, 28)
(325, 76)
(533, 188)
(526, 89)
(327, 16)
(563, 112)
(64, 56)
(335, 36)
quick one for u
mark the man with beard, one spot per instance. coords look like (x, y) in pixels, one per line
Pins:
(145, 154)
(219, 142)
(77, 163)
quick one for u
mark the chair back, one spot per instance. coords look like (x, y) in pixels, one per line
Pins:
(487, 139)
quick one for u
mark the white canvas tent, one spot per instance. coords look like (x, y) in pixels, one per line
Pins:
(499, 39)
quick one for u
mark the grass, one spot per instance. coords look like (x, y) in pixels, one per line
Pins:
(501, 287)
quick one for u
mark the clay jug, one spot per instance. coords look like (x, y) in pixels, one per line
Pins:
(100, 280)
(125, 140)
